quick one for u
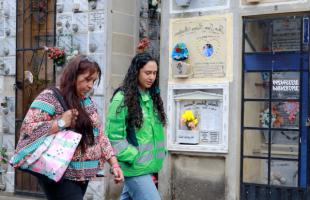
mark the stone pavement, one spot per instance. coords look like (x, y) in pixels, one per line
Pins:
(5, 196)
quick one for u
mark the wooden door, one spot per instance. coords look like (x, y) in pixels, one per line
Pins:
(35, 29)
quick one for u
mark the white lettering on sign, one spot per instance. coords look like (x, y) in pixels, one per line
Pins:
(285, 85)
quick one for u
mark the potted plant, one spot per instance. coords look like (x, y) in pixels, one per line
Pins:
(183, 3)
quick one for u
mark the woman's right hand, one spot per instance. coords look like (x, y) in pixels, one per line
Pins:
(69, 117)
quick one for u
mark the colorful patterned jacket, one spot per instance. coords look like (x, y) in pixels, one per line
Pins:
(36, 125)
(141, 151)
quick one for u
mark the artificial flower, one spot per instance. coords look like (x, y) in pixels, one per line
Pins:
(188, 118)
(180, 52)
(56, 54)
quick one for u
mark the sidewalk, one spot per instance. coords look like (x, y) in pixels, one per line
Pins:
(6, 196)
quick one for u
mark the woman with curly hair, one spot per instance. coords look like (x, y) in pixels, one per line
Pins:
(135, 127)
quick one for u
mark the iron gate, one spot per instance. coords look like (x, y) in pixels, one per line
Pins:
(275, 98)
(35, 27)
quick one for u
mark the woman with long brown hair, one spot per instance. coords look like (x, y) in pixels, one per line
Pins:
(46, 116)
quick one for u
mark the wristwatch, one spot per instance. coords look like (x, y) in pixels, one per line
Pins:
(61, 124)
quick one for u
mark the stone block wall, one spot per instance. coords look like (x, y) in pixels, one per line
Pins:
(7, 90)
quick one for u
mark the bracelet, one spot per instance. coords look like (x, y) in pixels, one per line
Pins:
(115, 165)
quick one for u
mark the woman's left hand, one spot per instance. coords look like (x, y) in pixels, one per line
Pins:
(118, 174)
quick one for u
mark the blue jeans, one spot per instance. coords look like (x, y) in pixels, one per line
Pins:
(139, 188)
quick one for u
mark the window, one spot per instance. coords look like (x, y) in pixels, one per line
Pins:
(275, 107)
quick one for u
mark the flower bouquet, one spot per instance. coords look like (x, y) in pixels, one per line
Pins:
(190, 135)
(189, 120)
(56, 54)
(143, 45)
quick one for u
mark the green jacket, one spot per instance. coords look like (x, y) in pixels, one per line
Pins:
(141, 151)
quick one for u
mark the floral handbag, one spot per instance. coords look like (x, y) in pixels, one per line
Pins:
(53, 156)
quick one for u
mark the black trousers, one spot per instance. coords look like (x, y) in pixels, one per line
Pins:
(64, 189)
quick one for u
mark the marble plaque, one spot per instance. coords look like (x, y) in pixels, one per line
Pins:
(198, 5)
(101, 5)
(1, 4)
(1, 71)
(83, 5)
(99, 89)
(9, 141)
(68, 5)
(1, 46)
(9, 25)
(98, 41)
(207, 38)
(81, 20)
(9, 44)
(97, 19)
(80, 43)
(1, 23)
(100, 59)
(9, 66)
(9, 8)
(66, 21)
(65, 42)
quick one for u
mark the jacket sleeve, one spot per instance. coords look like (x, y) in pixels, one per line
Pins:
(116, 130)
(35, 127)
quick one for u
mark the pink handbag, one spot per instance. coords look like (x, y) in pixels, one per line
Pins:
(53, 156)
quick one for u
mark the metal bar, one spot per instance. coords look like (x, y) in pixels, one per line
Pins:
(273, 158)
(242, 109)
(272, 100)
(300, 107)
(291, 70)
(273, 129)
(29, 49)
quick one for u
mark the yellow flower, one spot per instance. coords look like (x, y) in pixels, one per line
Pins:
(189, 119)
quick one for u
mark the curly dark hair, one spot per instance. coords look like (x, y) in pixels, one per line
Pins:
(76, 66)
(132, 94)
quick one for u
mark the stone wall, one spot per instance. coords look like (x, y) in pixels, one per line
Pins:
(7, 90)
(150, 24)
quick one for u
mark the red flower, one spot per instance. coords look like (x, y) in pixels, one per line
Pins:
(178, 50)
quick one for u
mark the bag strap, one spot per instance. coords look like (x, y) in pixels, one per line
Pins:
(59, 97)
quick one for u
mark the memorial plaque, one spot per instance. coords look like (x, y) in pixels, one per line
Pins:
(66, 21)
(199, 117)
(10, 45)
(81, 20)
(80, 42)
(207, 40)
(97, 19)
(101, 5)
(9, 66)
(9, 25)
(68, 5)
(1, 23)
(64, 41)
(98, 40)
(198, 6)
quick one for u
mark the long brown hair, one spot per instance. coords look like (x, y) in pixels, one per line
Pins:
(76, 66)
